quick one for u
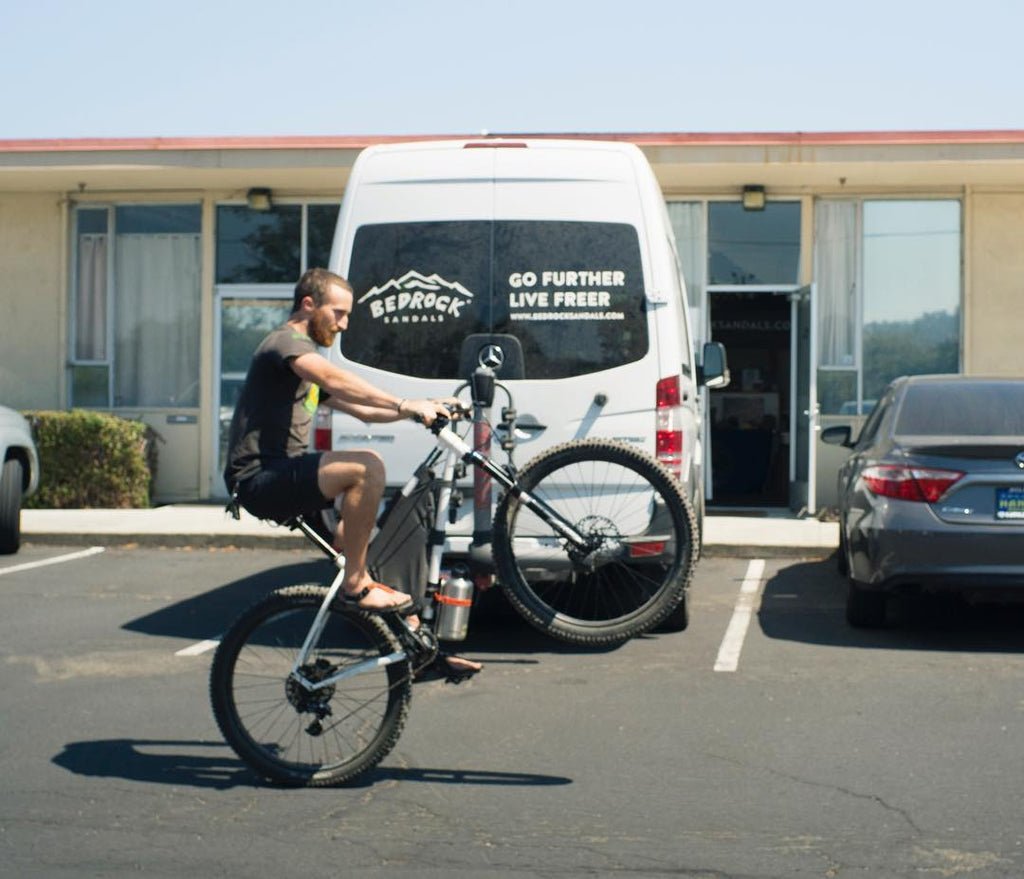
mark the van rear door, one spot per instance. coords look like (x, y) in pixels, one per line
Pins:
(538, 251)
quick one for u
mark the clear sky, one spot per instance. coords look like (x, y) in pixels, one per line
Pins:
(209, 68)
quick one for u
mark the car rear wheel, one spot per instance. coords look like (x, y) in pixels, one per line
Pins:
(865, 608)
(10, 506)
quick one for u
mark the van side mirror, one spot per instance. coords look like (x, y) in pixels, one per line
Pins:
(714, 370)
(838, 436)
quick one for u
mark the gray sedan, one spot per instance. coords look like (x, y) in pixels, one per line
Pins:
(19, 475)
(932, 496)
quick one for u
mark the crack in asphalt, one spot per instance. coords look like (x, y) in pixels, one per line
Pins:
(873, 798)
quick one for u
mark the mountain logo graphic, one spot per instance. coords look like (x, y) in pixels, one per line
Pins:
(416, 298)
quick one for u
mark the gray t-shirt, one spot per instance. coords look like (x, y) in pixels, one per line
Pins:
(276, 406)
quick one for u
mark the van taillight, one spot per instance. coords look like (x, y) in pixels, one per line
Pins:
(322, 430)
(494, 145)
(668, 425)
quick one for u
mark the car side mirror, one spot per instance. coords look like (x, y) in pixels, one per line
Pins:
(714, 369)
(838, 436)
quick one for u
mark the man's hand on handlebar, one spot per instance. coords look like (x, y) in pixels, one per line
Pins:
(425, 411)
(456, 408)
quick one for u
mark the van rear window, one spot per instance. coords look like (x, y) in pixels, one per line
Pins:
(572, 293)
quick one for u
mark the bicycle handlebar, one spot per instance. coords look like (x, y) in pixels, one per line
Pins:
(458, 411)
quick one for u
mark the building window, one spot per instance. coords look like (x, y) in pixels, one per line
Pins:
(275, 246)
(911, 290)
(753, 247)
(889, 289)
(136, 306)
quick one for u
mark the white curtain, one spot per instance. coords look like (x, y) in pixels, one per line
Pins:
(835, 236)
(687, 218)
(156, 324)
(91, 299)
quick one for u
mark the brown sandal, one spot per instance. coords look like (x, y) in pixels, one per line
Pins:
(352, 601)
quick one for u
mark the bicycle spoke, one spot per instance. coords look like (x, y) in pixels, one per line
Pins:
(635, 525)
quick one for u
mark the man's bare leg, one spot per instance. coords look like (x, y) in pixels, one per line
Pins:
(360, 475)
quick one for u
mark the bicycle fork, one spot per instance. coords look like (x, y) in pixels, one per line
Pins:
(552, 517)
(316, 630)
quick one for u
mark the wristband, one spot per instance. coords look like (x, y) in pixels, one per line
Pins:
(398, 405)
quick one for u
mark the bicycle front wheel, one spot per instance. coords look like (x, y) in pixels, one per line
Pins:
(640, 533)
(291, 733)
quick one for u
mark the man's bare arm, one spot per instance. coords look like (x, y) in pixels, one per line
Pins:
(346, 388)
(342, 385)
(366, 414)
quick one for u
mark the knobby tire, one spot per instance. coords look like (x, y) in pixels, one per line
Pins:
(256, 708)
(636, 497)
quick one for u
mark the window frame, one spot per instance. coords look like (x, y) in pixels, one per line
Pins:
(860, 201)
(109, 302)
(303, 204)
(110, 293)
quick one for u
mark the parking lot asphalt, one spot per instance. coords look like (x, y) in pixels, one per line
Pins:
(797, 747)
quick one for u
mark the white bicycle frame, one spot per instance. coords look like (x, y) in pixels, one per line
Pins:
(454, 449)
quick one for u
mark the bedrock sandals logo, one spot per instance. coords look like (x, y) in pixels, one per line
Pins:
(416, 298)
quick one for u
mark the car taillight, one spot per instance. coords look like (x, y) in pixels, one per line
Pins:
(668, 425)
(909, 483)
(322, 431)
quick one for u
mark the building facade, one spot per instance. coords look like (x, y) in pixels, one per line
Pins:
(136, 276)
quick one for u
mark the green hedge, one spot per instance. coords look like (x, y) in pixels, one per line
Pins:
(91, 459)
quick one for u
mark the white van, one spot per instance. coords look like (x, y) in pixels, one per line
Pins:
(553, 261)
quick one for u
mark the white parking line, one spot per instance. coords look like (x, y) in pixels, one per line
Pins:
(56, 560)
(732, 644)
(198, 648)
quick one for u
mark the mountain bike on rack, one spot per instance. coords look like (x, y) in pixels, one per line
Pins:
(593, 543)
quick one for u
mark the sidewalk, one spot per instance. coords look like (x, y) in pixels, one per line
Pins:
(207, 525)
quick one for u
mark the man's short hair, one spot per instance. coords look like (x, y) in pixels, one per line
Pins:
(315, 283)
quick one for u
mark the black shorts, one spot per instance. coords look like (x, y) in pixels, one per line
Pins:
(283, 488)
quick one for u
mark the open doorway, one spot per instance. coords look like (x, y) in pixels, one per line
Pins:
(750, 419)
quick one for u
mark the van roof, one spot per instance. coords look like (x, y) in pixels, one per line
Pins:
(534, 143)
(501, 159)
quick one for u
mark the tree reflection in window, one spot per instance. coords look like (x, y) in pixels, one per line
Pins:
(258, 247)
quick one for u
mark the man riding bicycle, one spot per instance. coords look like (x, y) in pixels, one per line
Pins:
(270, 468)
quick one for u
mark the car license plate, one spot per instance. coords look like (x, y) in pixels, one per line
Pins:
(1010, 503)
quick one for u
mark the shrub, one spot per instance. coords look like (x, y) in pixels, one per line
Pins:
(92, 459)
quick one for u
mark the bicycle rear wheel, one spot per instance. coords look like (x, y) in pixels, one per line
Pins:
(292, 735)
(633, 511)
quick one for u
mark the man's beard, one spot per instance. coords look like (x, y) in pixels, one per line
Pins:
(320, 331)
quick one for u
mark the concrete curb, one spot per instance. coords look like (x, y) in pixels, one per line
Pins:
(752, 551)
(208, 526)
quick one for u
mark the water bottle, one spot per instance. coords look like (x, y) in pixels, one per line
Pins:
(454, 600)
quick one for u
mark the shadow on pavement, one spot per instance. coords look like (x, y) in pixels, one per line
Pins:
(495, 627)
(806, 602)
(208, 614)
(212, 765)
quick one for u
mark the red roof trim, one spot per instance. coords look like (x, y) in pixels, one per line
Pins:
(652, 139)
